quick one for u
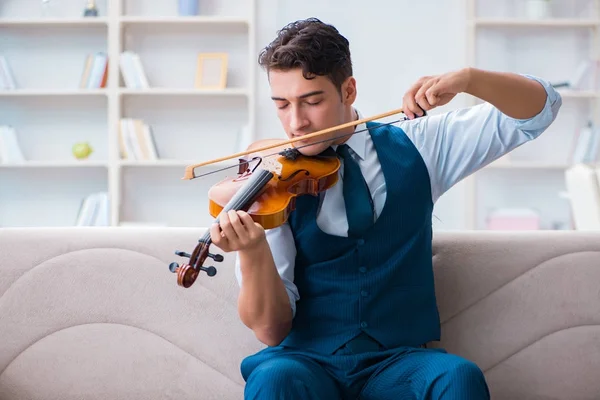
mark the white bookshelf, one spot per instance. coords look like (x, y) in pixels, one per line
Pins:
(50, 112)
(501, 36)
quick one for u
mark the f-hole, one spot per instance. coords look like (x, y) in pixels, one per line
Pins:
(306, 172)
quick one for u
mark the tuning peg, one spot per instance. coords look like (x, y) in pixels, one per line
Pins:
(216, 257)
(210, 271)
(182, 254)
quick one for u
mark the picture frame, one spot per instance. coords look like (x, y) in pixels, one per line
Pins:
(211, 71)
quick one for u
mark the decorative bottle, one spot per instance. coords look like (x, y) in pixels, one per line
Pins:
(90, 9)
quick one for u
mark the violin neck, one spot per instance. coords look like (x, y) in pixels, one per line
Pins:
(247, 193)
(245, 196)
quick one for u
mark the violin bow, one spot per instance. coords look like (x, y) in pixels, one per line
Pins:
(189, 170)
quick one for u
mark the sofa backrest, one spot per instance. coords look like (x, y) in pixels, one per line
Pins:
(95, 313)
(525, 307)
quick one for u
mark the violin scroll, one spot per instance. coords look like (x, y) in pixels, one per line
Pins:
(188, 273)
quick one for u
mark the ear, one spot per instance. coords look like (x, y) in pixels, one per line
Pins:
(349, 91)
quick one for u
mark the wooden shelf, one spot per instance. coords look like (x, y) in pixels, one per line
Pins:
(584, 94)
(183, 92)
(126, 92)
(557, 23)
(527, 165)
(199, 20)
(58, 164)
(59, 22)
(53, 92)
(155, 163)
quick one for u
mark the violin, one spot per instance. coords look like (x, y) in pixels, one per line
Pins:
(266, 191)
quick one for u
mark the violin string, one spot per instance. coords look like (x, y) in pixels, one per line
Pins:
(214, 171)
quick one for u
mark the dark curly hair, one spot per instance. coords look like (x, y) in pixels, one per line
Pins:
(316, 47)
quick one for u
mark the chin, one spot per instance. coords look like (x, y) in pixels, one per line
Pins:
(311, 150)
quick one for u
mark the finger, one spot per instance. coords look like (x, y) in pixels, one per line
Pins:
(426, 85)
(433, 94)
(228, 231)
(421, 98)
(414, 109)
(410, 108)
(254, 228)
(407, 100)
(236, 224)
(246, 220)
(216, 235)
(406, 110)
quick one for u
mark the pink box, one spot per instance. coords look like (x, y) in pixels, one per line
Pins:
(513, 220)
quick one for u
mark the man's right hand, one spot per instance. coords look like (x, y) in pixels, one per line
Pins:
(430, 92)
(236, 231)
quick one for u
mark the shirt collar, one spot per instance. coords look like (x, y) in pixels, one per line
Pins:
(358, 141)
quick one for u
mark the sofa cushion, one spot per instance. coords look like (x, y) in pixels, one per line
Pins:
(95, 313)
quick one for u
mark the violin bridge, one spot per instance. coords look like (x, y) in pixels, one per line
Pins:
(272, 165)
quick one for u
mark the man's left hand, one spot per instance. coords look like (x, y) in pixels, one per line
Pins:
(434, 91)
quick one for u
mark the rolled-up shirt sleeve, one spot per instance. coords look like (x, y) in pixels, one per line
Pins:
(456, 144)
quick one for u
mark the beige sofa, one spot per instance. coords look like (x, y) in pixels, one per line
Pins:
(94, 313)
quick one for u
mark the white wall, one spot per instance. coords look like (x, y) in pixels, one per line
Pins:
(393, 43)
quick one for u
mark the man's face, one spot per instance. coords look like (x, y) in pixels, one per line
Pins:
(309, 105)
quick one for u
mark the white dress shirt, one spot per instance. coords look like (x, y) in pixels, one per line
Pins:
(453, 145)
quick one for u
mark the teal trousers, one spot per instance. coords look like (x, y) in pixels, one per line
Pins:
(362, 370)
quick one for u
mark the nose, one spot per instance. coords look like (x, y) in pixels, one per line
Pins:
(298, 121)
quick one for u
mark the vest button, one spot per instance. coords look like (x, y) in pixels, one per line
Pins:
(364, 293)
(363, 269)
(360, 242)
(363, 324)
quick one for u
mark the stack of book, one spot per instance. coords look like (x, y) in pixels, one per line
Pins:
(136, 141)
(95, 71)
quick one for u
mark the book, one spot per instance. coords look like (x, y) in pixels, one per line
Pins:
(583, 190)
(136, 141)
(586, 147)
(132, 71)
(94, 210)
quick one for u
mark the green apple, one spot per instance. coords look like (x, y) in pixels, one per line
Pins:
(82, 150)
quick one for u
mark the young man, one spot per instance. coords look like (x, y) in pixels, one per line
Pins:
(343, 293)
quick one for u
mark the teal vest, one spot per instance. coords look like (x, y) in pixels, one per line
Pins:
(382, 283)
